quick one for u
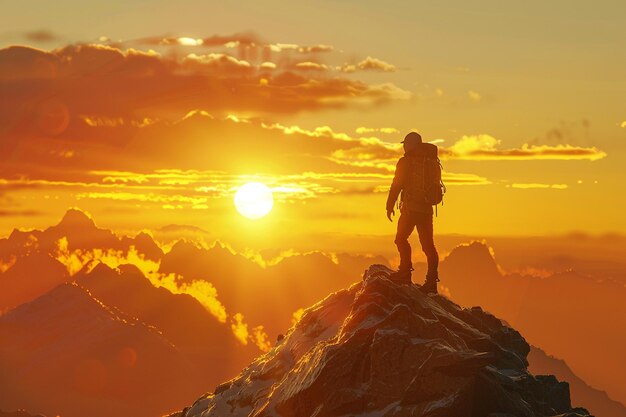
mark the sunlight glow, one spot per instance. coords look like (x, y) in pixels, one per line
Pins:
(254, 200)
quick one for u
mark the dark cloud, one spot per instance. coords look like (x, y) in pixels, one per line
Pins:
(566, 132)
(21, 213)
(41, 36)
(49, 94)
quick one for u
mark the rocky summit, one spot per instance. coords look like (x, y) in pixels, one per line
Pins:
(386, 349)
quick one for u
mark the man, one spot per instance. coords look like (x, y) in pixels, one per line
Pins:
(414, 175)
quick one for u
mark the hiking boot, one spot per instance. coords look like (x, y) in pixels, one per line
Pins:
(401, 276)
(430, 285)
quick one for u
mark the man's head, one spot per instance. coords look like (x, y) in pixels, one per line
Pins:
(411, 141)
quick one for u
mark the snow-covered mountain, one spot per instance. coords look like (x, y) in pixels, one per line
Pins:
(384, 349)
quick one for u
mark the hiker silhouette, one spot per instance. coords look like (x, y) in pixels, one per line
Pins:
(418, 180)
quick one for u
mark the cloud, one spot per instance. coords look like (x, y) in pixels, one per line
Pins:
(234, 40)
(268, 65)
(185, 41)
(122, 159)
(575, 133)
(56, 94)
(316, 48)
(474, 96)
(166, 201)
(386, 130)
(240, 328)
(539, 185)
(375, 64)
(21, 213)
(215, 63)
(257, 336)
(368, 64)
(451, 178)
(308, 65)
(485, 147)
(296, 316)
(260, 338)
(41, 36)
(279, 154)
(201, 290)
(472, 144)
(250, 41)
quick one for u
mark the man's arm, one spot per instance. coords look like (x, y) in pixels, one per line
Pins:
(396, 187)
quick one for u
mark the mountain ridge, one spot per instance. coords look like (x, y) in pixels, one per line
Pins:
(72, 355)
(382, 349)
(31, 262)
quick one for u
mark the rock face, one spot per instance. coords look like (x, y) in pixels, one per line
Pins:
(383, 349)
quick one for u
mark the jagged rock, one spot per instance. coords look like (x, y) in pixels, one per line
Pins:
(384, 349)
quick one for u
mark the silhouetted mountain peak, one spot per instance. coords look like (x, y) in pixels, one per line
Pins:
(130, 269)
(220, 249)
(184, 247)
(18, 236)
(476, 256)
(144, 244)
(60, 303)
(144, 239)
(380, 348)
(48, 344)
(97, 268)
(76, 219)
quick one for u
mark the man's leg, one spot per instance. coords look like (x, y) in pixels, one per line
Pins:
(405, 228)
(424, 225)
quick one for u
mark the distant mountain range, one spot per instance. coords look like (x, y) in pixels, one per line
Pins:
(573, 316)
(84, 327)
(581, 393)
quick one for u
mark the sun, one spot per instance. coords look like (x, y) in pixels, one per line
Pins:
(254, 200)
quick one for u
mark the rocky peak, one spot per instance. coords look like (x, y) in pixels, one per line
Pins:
(75, 219)
(384, 349)
(476, 256)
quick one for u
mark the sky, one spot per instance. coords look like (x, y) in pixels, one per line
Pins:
(148, 113)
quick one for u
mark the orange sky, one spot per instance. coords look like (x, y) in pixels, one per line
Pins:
(151, 118)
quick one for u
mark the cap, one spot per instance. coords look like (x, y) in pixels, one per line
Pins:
(412, 137)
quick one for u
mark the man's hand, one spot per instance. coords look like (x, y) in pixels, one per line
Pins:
(390, 214)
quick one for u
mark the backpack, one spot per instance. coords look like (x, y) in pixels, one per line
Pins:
(424, 186)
